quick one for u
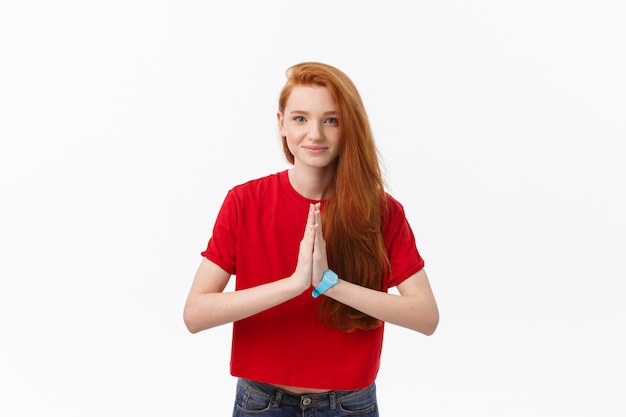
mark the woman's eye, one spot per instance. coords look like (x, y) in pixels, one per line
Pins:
(332, 120)
(299, 119)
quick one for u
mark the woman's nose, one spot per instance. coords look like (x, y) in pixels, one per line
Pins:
(315, 132)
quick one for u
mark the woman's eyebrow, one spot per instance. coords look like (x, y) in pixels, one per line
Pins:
(326, 113)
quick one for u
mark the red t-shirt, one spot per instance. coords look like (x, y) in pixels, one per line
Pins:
(256, 237)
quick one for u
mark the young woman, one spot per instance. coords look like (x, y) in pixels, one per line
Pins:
(314, 250)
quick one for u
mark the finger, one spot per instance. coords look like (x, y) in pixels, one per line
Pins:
(309, 232)
(318, 217)
(319, 244)
(311, 215)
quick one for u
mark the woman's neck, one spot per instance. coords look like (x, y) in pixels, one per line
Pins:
(312, 183)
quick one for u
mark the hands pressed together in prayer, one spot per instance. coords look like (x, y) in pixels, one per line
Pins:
(312, 258)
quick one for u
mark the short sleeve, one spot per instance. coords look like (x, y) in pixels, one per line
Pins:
(404, 257)
(222, 246)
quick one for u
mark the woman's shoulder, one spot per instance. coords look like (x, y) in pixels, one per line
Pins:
(255, 184)
(392, 204)
(393, 210)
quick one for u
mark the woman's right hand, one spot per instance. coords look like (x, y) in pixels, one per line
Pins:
(304, 268)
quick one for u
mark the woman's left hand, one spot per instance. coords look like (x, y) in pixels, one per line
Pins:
(320, 259)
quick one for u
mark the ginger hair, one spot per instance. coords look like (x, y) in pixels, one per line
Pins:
(352, 216)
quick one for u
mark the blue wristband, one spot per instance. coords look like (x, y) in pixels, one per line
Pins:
(329, 280)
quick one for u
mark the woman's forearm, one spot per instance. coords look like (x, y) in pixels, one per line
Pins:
(414, 309)
(206, 310)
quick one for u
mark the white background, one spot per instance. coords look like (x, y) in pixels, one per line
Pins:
(502, 127)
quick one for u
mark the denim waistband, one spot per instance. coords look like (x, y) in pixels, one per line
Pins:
(279, 396)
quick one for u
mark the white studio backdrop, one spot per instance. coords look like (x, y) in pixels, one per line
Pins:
(502, 128)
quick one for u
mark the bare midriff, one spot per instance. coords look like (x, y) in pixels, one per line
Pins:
(299, 390)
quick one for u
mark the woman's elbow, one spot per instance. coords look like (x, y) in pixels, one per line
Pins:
(429, 323)
(191, 321)
(430, 329)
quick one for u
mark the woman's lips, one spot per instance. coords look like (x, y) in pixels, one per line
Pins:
(315, 149)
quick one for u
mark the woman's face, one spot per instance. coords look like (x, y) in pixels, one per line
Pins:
(311, 126)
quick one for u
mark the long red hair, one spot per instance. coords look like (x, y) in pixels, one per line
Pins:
(352, 217)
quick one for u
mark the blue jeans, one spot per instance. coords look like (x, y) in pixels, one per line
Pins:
(258, 399)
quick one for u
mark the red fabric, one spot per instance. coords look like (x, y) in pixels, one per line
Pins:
(256, 237)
